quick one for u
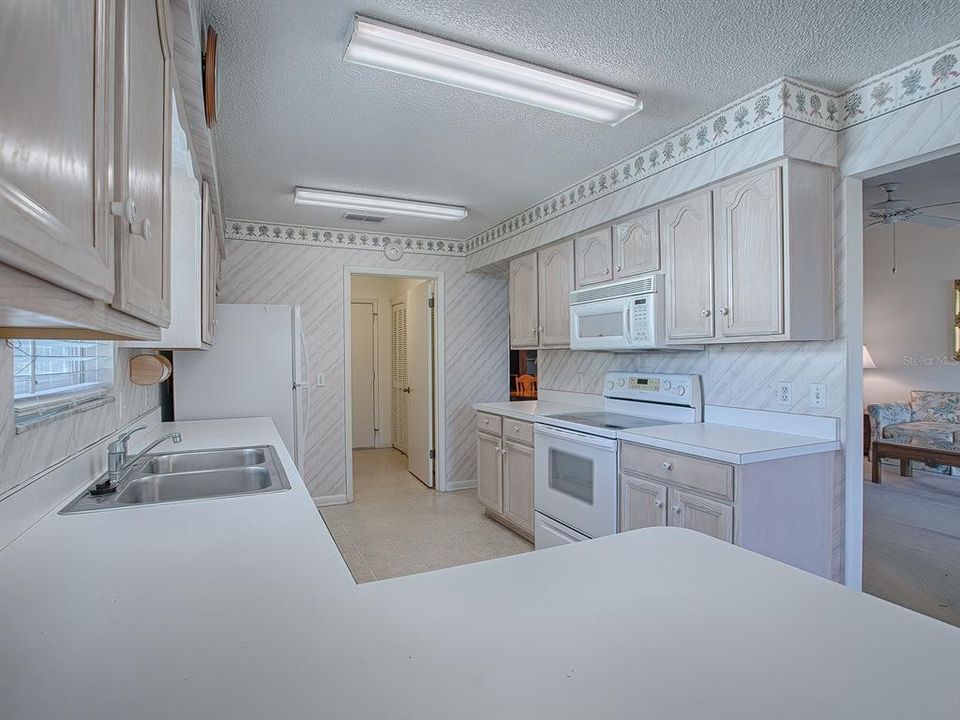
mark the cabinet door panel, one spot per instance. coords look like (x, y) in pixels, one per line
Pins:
(524, 318)
(210, 254)
(642, 503)
(695, 512)
(636, 245)
(143, 161)
(594, 257)
(749, 228)
(55, 135)
(518, 484)
(556, 281)
(688, 250)
(489, 469)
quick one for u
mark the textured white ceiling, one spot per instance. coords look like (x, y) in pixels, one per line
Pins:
(292, 113)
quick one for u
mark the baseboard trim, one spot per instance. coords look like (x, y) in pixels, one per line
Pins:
(330, 500)
(461, 485)
(508, 524)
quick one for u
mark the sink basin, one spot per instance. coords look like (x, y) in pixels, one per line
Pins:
(195, 485)
(203, 460)
(191, 475)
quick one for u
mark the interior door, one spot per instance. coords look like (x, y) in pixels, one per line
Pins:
(420, 446)
(363, 338)
(398, 378)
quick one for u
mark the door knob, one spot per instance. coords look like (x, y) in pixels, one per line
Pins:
(407, 390)
(705, 313)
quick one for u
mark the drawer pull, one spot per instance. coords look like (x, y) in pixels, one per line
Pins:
(666, 466)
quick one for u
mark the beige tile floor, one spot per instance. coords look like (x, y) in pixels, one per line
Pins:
(397, 526)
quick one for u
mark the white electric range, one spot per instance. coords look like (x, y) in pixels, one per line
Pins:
(576, 454)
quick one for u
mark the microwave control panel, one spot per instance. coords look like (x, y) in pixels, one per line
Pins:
(640, 320)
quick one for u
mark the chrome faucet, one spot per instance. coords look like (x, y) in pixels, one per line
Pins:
(117, 463)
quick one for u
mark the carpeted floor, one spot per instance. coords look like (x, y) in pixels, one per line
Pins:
(911, 542)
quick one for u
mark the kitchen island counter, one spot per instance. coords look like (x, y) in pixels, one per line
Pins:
(243, 608)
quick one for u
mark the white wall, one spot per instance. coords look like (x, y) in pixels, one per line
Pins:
(908, 316)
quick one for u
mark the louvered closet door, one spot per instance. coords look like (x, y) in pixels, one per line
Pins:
(398, 379)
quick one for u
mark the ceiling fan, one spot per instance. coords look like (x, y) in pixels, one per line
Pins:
(892, 211)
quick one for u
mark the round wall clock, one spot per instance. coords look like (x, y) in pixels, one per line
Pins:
(393, 250)
(210, 77)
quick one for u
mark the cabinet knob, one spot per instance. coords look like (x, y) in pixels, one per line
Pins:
(127, 209)
(540, 329)
(724, 311)
(486, 421)
(675, 508)
(618, 268)
(666, 466)
(658, 503)
(516, 428)
(606, 271)
(141, 229)
(705, 313)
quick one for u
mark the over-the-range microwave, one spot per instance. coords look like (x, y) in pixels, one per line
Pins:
(620, 316)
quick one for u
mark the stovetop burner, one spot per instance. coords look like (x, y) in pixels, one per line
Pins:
(609, 420)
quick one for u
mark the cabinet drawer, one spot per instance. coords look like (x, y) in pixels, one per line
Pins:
(488, 423)
(704, 475)
(518, 430)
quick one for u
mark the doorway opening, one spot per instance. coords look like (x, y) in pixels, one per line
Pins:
(911, 387)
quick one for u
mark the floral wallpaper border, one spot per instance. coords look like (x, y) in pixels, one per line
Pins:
(911, 82)
(255, 230)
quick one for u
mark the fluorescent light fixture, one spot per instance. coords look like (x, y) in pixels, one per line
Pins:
(398, 50)
(374, 204)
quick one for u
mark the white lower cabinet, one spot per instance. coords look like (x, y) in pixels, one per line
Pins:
(779, 508)
(505, 471)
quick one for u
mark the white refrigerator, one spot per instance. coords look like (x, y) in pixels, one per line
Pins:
(257, 367)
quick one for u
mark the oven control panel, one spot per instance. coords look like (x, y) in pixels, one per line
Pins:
(673, 389)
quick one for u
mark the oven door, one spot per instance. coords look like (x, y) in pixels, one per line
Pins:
(575, 479)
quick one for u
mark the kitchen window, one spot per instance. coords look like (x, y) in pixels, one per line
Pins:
(52, 377)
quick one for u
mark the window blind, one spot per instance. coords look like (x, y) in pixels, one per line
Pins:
(53, 376)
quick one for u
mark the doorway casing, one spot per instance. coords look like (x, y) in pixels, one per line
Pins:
(440, 419)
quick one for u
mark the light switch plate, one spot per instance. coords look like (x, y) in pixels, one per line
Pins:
(818, 395)
(784, 393)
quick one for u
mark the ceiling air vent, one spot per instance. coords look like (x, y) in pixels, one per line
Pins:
(363, 218)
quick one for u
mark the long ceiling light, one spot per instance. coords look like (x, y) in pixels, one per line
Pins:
(412, 53)
(375, 204)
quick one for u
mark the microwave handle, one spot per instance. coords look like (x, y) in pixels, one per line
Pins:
(627, 322)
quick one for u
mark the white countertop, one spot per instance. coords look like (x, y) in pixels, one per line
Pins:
(243, 608)
(728, 443)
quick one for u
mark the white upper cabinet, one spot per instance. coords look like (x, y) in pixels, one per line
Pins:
(524, 314)
(143, 161)
(594, 257)
(749, 239)
(55, 135)
(636, 245)
(556, 281)
(688, 261)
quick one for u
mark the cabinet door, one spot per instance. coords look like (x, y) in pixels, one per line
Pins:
(749, 229)
(143, 161)
(55, 135)
(688, 250)
(695, 512)
(518, 484)
(524, 318)
(636, 245)
(209, 256)
(556, 282)
(642, 503)
(594, 257)
(489, 472)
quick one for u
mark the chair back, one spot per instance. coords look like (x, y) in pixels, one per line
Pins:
(526, 386)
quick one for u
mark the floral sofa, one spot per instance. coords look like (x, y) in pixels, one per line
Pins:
(930, 417)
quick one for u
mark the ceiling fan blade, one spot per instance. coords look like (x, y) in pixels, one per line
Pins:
(943, 204)
(935, 220)
(875, 222)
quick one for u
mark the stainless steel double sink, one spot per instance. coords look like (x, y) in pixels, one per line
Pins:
(191, 475)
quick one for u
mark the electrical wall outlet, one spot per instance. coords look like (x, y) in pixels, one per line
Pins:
(818, 395)
(785, 393)
(321, 380)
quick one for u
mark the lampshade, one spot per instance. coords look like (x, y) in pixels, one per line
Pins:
(868, 362)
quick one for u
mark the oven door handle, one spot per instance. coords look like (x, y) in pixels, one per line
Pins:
(572, 436)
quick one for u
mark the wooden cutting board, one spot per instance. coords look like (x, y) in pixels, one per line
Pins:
(149, 369)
